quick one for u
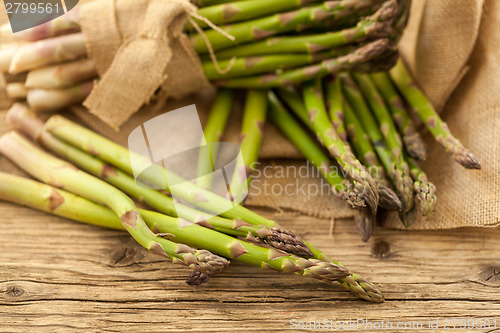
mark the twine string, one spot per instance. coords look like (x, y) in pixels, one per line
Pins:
(209, 45)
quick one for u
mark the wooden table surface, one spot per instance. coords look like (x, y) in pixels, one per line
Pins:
(57, 275)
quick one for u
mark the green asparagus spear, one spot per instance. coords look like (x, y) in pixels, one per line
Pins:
(362, 145)
(119, 156)
(355, 283)
(59, 202)
(334, 105)
(245, 10)
(213, 132)
(313, 153)
(355, 195)
(308, 147)
(254, 118)
(54, 99)
(390, 134)
(261, 28)
(364, 149)
(263, 64)
(271, 47)
(438, 128)
(22, 119)
(376, 26)
(317, 115)
(62, 76)
(347, 21)
(414, 143)
(384, 62)
(369, 123)
(294, 76)
(373, 133)
(61, 174)
(47, 52)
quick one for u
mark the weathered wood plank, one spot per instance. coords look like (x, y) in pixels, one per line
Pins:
(60, 276)
(63, 273)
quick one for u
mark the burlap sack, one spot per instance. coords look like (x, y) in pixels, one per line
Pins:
(452, 48)
(456, 45)
(137, 47)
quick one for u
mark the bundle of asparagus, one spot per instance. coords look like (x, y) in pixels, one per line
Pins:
(167, 233)
(369, 114)
(364, 122)
(314, 38)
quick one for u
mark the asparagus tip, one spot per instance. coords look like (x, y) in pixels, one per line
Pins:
(375, 294)
(467, 159)
(365, 223)
(415, 147)
(426, 196)
(373, 49)
(427, 207)
(385, 15)
(372, 201)
(324, 270)
(389, 199)
(196, 278)
(368, 290)
(210, 263)
(353, 198)
(287, 241)
(404, 187)
(369, 191)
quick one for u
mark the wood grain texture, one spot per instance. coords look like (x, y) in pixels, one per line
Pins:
(61, 276)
